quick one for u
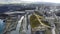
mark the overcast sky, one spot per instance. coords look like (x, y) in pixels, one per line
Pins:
(28, 1)
(3, 1)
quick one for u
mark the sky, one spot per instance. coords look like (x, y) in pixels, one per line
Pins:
(28, 1)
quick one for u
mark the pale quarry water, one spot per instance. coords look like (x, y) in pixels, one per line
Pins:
(2, 26)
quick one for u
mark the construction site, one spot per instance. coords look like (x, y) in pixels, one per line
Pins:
(32, 19)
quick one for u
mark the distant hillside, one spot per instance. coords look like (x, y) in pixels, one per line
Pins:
(24, 6)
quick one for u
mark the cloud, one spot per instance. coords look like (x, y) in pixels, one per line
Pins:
(14, 1)
(53, 1)
(28, 1)
(3, 1)
(19, 1)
